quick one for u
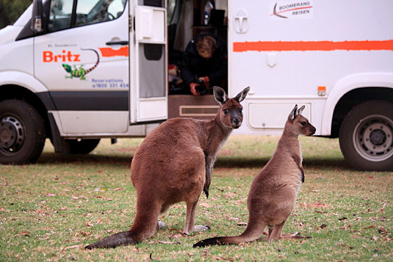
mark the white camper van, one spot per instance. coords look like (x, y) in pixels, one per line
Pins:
(78, 71)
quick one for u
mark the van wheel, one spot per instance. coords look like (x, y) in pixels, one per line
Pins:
(366, 136)
(22, 133)
(82, 146)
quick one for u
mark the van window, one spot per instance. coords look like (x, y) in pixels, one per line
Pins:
(60, 14)
(171, 10)
(87, 12)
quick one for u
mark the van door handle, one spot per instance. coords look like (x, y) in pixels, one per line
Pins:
(241, 21)
(117, 43)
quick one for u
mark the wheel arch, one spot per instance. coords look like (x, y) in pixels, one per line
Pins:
(27, 81)
(16, 85)
(351, 91)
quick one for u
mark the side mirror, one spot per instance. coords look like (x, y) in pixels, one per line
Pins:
(37, 16)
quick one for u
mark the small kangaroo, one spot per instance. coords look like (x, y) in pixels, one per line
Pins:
(273, 191)
(174, 164)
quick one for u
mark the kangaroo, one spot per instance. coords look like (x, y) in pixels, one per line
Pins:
(273, 191)
(174, 164)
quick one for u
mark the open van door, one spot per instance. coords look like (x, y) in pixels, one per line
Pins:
(148, 61)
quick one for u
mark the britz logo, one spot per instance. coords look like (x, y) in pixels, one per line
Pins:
(66, 56)
(291, 9)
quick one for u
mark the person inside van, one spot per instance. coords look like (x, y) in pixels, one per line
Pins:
(204, 64)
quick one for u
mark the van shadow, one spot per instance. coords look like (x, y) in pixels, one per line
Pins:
(90, 159)
(222, 162)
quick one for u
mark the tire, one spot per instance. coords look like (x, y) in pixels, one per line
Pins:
(22, 133)
(82, 146)
(366, 136)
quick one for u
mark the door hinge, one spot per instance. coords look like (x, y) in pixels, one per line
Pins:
(130, 22)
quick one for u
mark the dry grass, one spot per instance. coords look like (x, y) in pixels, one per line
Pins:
(50, 210)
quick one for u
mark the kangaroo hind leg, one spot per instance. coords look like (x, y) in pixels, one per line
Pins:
(275, 231)
(189, 225)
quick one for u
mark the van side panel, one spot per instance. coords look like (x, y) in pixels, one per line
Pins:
(287, 50)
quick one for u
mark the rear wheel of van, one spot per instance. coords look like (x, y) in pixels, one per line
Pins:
(366, 136)
(22, 132)
(82, 146)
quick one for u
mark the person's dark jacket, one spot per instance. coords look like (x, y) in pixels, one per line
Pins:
(194, 66)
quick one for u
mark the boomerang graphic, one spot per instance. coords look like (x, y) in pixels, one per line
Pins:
(276, 14)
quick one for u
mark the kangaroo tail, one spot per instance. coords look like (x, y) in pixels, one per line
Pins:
(253, 231)
(137, 233)
(219, 241)
(119, 239)
(144, 226)
(96, 64)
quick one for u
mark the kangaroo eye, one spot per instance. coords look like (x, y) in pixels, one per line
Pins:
(240, 110)
(226, 111)
(303, 123)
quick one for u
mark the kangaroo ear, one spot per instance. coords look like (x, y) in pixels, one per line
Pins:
(220, 95)
(300, 110)
(293, 113)
(242, 95)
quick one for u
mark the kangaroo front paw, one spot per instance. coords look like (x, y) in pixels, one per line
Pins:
(199, 228)
(160, 225)
(295, 235)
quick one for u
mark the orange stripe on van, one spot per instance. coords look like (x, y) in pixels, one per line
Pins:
(281, 46)
(109, 52)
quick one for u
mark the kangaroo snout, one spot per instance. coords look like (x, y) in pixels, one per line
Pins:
(236, 123)
(312, 130)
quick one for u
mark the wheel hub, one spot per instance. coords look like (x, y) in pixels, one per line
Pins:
(11, 134)
(375, 138)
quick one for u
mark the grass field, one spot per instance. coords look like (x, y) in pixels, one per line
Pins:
(50, 210)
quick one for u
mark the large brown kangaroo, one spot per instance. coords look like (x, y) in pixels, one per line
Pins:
(273, 191)
(174, 164)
